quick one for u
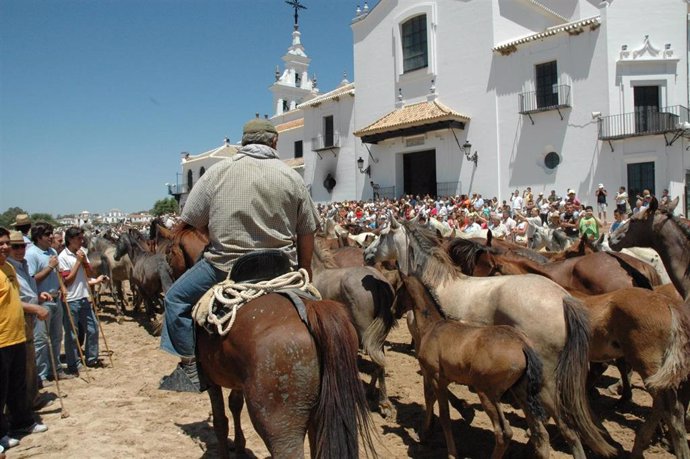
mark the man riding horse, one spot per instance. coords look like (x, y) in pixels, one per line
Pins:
(250, 202)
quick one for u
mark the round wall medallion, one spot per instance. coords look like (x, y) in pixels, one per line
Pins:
(552, 160)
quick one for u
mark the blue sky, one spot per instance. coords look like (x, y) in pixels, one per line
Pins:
(99, 97)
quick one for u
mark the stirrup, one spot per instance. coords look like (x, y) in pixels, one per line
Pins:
(181, 381)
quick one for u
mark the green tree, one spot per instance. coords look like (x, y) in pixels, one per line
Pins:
(43, 217)
(8, 217)
(164, 206)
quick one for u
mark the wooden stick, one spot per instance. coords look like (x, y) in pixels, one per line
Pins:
(54, 362)
(74, 328)
(100, 326)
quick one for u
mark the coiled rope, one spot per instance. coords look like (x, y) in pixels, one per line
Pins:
(235, 295)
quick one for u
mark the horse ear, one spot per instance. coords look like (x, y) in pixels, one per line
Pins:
(394, 222)
(672, 205)
(489, 237)
(653, 206)
(582, 245)
(439, 236)
(600, 241)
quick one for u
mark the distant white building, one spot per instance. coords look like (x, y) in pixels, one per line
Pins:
(452, 97)
(113, 216)
(142, 219)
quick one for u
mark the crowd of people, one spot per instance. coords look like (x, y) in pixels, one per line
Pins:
(507, 218)
(45, 281)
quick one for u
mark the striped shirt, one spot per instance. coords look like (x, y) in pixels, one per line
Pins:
(250, 201)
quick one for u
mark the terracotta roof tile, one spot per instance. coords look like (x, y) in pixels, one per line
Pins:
(412, 115)
(294, 124)
(346, 89)
(571, 27)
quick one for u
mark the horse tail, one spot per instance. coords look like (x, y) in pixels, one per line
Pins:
(676, 365)
(571, 378)
(533, 377)
(342, 410)
(375, 335)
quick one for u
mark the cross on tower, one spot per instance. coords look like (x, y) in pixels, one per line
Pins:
(297, 6)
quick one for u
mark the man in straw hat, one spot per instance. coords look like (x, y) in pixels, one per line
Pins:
(248, 202)
(22, 223)
(13, 389)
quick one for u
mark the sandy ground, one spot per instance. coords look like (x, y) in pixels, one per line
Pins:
(120, 413)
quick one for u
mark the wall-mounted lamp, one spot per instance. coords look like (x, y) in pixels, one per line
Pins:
(360, 166)
(467, 149)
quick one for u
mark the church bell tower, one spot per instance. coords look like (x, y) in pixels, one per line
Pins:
(293, 86)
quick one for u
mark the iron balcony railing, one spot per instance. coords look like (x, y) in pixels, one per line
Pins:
(447, 188)
(645, 121)
(321, 142)
(550, 98)
(177, 189)
(385, 192)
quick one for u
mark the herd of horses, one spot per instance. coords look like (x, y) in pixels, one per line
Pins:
(488, 314)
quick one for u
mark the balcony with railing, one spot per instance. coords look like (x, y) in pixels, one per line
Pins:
(321, 142)
(177, 189)
(551, 98)
(645, 121)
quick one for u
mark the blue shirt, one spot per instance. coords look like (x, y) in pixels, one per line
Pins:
(27, 284)
(37, 260)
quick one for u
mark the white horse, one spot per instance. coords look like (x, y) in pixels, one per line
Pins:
(555, 323)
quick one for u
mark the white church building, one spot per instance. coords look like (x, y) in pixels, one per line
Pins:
(495, 95)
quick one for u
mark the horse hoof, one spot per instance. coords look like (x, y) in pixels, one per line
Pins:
(119, 319)
(467, 414)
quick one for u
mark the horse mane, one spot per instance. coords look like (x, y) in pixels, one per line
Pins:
(153, 228)
(434, 264)
(427, 292)
(324, 253)
(464, 253)
(530, 254)
(677, 220)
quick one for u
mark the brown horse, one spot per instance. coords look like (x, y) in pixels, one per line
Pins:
(491, 359)
(296, 379)
(665, 233)
(591, 274)
(182, 246)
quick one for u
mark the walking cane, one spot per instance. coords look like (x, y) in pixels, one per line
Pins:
(64, 412)
(100, 327)
(74, 328)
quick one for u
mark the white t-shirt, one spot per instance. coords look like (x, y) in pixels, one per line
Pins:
(517, 202)
(80, 287)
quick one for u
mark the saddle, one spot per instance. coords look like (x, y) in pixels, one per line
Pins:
(249, 278)
(260, 265)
